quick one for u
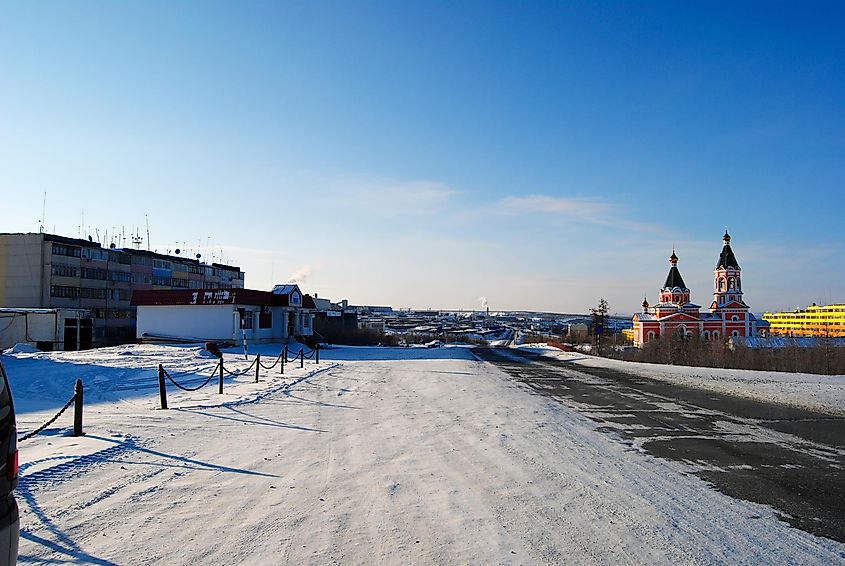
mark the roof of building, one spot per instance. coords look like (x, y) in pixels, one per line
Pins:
(90, 243)
(674, 279)
(214, 297)
(727, 257)
(285, 289)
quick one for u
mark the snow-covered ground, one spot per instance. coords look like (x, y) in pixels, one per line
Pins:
(824, 393)
(376, 456)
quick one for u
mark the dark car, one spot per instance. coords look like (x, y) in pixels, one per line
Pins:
(9, 517)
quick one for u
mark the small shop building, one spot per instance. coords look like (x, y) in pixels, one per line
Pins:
(227, 315)
(47, 329)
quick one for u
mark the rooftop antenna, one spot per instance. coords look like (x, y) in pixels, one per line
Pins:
(147, 218)
(43, 213)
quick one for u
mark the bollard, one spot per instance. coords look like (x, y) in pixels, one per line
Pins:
(302, 358)
(317, 350)
(162, 392)
(220, 382)
(284, 358)
(77, 409)
(257, 366)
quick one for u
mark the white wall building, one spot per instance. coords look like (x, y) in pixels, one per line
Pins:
(232, 315)
(46, 329)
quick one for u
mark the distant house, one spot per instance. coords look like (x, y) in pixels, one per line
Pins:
(232, 315)
(333, 321)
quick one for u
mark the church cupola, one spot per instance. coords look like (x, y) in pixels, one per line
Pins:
(727, 282)
(674, 289)
(645, 304)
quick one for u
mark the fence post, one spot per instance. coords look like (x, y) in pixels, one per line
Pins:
(284, 359)
(257, 366)
(162, 392)
(77, 408)
(220, 381)
(302, 358)
(317, 349)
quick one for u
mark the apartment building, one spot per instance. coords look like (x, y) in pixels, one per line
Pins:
(39, 270)
(828, 320)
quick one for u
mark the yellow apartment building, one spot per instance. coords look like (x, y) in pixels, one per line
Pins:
(828, 320)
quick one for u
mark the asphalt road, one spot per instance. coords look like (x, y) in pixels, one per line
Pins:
(789, 459)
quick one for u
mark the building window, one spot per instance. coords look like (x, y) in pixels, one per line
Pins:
(69, 251)
(141, 278)
(120, 276)
(715, 335)
(61, 270)
(161, 264)
(306, 321)
(64, 292)
(163, 281)
(734, 317)
(265, 319)
(721, 284)
(651, 335)
(735, 333)
(707, 335)
(93, 273)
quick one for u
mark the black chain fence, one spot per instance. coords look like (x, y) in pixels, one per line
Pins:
(185, 388)
(29, 435)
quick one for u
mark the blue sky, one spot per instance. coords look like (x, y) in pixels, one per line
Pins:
(425, 154)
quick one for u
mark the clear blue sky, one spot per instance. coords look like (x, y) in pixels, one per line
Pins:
(426, 154)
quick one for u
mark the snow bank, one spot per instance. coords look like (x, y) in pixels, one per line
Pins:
(823, 393)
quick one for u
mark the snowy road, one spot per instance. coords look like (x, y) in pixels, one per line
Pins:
(792, 459)
(381, 460)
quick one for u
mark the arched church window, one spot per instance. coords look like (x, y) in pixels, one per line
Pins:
(707, 335)
(651, 334)
(715, 335)
(735, 317)
(735, 333)
(731, 284)
(721, 284)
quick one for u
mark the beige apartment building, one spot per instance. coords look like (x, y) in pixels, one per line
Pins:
(47, 271)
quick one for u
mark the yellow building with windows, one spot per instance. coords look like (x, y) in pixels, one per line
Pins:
(815, 320)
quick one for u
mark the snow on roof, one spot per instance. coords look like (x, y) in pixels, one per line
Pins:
(286, 289)
(645, 316)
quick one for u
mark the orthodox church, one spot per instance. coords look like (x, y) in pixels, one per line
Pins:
(728, 316)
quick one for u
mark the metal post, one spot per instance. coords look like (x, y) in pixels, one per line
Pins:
(317, 349)
(77, 408)
(302, 358)
(220, 381)
(284, 359)
(257, 366)
(162, 392)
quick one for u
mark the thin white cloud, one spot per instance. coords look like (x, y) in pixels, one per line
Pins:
(386, 197)
(589, 210)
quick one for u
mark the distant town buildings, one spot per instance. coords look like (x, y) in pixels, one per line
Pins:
(828, 320)
(728, 316)
(92, 286)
